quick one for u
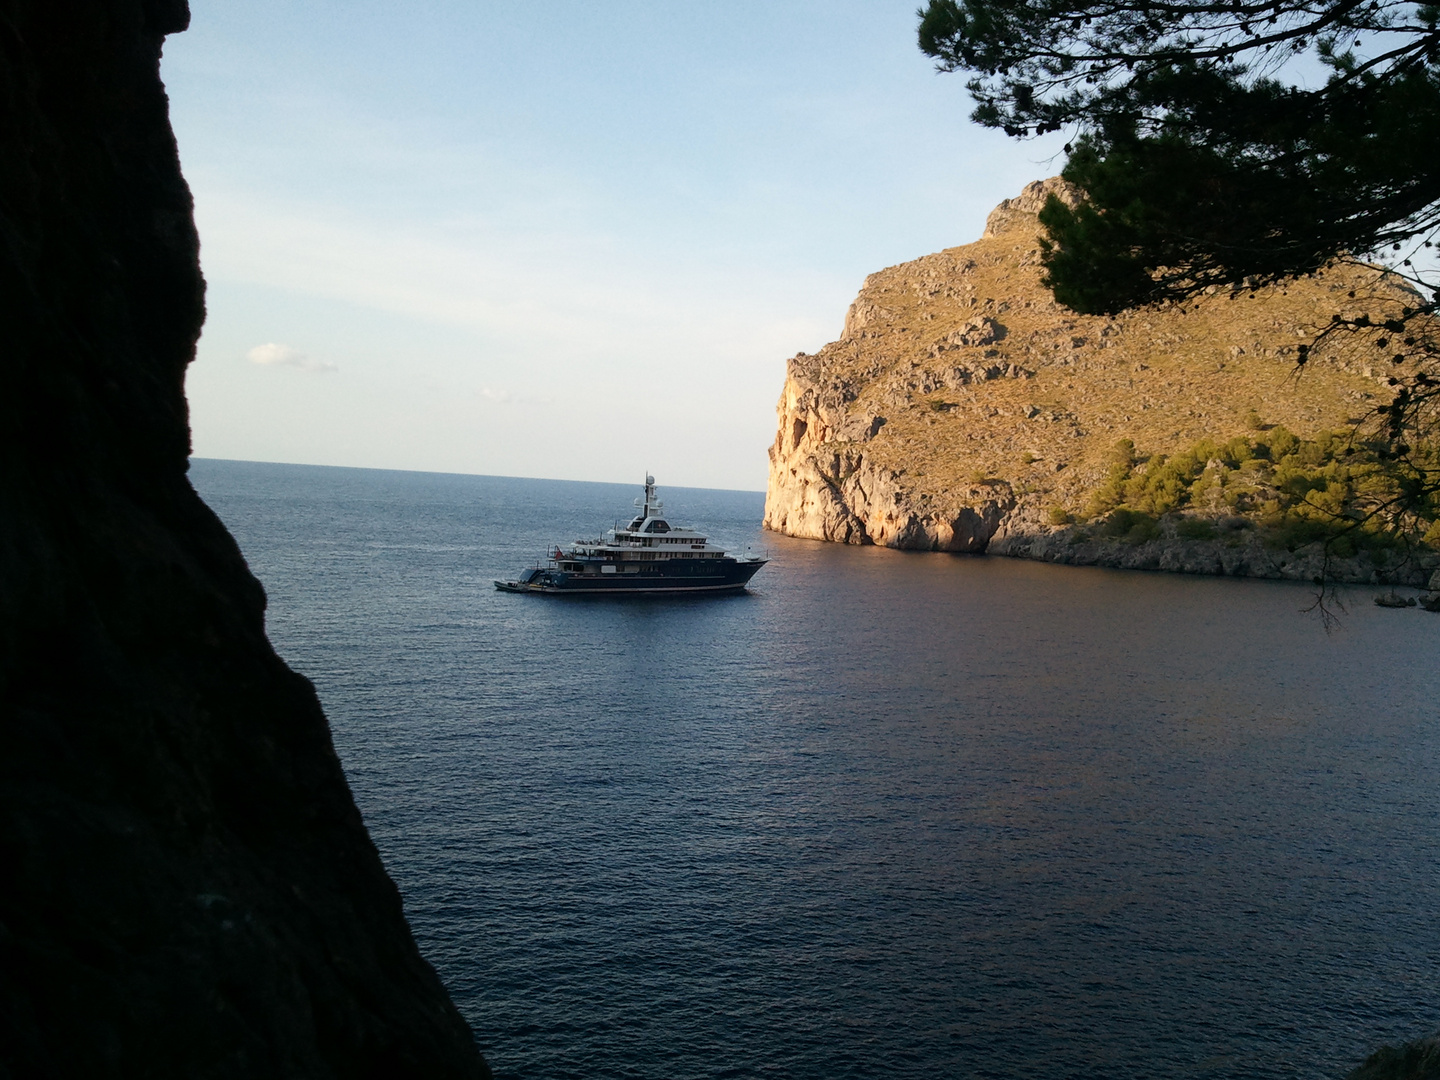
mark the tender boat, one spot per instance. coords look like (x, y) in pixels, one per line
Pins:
(648, 555)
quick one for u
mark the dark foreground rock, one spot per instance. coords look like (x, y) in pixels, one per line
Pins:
(187, 887)
(1418, 1060)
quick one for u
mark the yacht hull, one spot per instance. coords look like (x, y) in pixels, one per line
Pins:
(647, 581)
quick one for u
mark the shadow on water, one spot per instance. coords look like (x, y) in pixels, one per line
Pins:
(886, 813)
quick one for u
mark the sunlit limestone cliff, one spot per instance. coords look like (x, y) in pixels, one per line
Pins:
(963, 409)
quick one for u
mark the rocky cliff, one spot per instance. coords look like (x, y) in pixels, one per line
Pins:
(962, 409)
(188, 888)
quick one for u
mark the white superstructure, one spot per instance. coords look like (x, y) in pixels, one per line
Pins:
(649, 538)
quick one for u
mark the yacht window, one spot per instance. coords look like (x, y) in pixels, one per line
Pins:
(657, 526)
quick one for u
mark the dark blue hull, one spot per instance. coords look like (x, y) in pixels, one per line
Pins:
(675, 576)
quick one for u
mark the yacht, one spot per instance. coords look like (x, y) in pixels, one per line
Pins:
(649, 555)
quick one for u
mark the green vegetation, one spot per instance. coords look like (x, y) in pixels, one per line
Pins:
(1132, 526)
(1331, 489)
(1060, 516)
(1196, 529)
(1201, 163)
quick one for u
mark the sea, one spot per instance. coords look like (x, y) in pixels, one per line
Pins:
(886, 814)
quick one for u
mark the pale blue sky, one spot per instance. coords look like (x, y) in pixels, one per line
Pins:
(562, 240)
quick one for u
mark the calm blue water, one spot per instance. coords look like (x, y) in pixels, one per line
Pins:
(888, 815)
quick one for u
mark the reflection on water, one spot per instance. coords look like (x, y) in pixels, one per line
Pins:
(889, 814)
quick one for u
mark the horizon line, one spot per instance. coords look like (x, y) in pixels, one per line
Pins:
(444, 472)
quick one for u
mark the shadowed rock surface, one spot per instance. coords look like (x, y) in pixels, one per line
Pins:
(188, 888)
(1418, 1060)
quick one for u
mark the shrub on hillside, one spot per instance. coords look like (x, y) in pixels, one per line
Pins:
(1132, 526)
(1329, 489)
(1195, 529)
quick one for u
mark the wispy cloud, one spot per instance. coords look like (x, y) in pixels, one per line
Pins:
(273, 354)
(490, 393)
(571, 297)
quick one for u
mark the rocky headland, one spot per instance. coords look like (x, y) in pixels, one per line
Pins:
(187, 886)
(963, 409)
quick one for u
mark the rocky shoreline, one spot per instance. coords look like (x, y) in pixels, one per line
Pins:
(1241, 553)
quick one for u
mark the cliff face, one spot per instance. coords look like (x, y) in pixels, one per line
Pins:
(188, 887)
(962, 409)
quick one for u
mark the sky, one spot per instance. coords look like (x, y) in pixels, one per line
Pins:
(573, 241)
